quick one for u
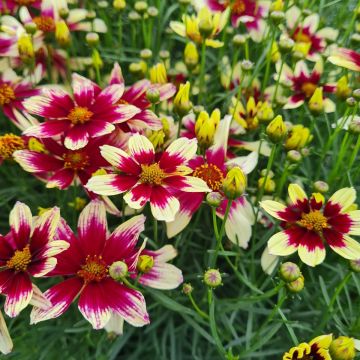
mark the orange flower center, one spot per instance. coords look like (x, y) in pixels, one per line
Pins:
(211, 174)
(80, 115)
(314, 220)
(122, 101)
(238, 7)
(76, 160)
(24, 2)
(44, 23)
(10, 143)
(301, 37)
(151, 174)
(94, 269)
(20, 260)
(308, 88)
(6, 94)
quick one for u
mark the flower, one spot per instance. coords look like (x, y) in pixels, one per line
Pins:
(147, 178)
(309, 41)
(182, 103)
(9, 143)
(161, 275)
(343, 348)
(276, 130)
(346, 58)
(303, 84)
(309, 224)
(205, 127)
(91, 113)
(190, 27)
(11, 6)
(249, 12)
(86, 267)
(27, 250)
(297, 137)
(317, 348)
(246, 118)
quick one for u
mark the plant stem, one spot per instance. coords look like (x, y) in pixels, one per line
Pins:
(202, 71)
(197, 309)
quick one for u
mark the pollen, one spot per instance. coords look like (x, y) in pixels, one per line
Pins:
(20, 260)
(6, 94)
(10, 143)
(238, 7)
(152, 174)
(24, 2)
(211, 174)
(314, 220)
(94, 269)
(308, 88)
(44, 23)
(122, 102)
(76, 160)
(80, 115)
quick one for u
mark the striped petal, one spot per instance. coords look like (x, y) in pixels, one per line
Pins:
(296, 194)
(311, 249)
(141, 149)
(178, 153)
(61, 296)
(84, 90)
(33, 161)
(42, 267)
(138, 196)
(120, 159)
(19, 294)
(340, 201)
(76, 138)
(20, 220)
(38, 299)
(268, 262)
(274, 208)
(343, 244)
(115, 325)
(187, 183)
(110, 184)
(285, 242)
(164, 206)
(6, 344)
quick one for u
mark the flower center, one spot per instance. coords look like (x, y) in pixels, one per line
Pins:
(10, 143)
(211, 174)
(238, 7)
(80, 115)
(94, 269)
(20, 260)
(314, 220)
(76, 160)
(308, 88)
(151, 174)
(6, 94)
(122, 101)
(24, 2)
(301, 37)
(44, 23)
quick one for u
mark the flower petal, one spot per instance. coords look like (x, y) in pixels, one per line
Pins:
(138, 196)
(141, 149)
(120, 159)
(285, 242)
(296, 194)
(164, 206)
(110, 184)
(20, 220)
(311, 249)
(6, 344)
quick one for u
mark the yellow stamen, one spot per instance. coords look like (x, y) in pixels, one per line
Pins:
(308, 89)
(20, 260)
(94, 269)
(10, 143)
(152, 174)
(44, 23)
(80, 115)
(314, 220)
(211, 174)
(6, 94)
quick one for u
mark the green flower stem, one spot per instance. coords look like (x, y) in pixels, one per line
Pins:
(197, 309)
(284, 176)
(202, 71)
(278, 81)
(213, 326)
(268, 61)
(120, 35)
(354, 153)
(179, 126)
(348, 30)
(156, 231)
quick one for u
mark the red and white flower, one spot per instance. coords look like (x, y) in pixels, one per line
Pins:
(213, 169)
(148, 177)
(249, 12)
(309, 224)
(303, 84)
(162, 275)
(92, 112)
(308, 39)
(86, 268)
(346, 58)
(27, 250)
(11, 6)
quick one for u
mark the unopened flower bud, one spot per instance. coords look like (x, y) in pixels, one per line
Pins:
(268, 185)
(286, 45)
(119, 4)
(191, 56)
(134, 16)
(265, 172)
(342, 348)
(265, 113)
(164, 54)
(297, 285)
(234, 184)
(212, 278)
(205, 127)
(247, 65)
(25, 48)
(153, 11)
(293, 156)
(356, 94)
(321, 186)
(158, 74)
(145, 263)
(276, 130)
(146, 54)
(187, 288)
(141, 7)
(277, 5)
(239, 40)
(64, 13)
(62, 33)
(153, 95)
(182, 103)
(316, 102)
(157, 138)
(214, 199)
(92, 39)
(31, 28)
(91, 15)
(277, 16)
(350, 101)
(289, 272)
(103, 4)
(197, 109)
(118, 270)
(342, 88)
(137, 69)
(354, 127)
(355, 265)
(355, 38)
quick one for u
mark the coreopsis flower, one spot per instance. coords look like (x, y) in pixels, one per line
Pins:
(90, 113)
(310, 224)
(27, 250)
(246, 118)
(135, 95)
(304, 83)
(346, 58)
(317, 348)
(205, 127)
(182, 103)
(297, 137)
(86, 267)
(14, 90)
(212, 168)
(146, 177)
(249, 12)
(59, 166)
(309, 40)
(190, 26)
(11, 6)
(9, 143)
(160, 274)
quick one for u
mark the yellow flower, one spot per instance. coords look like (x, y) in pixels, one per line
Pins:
(298, 137)
(275, 53)
(265, 112)
(158, 74)
(247, 118)
(182, 103)
(276, 130)
(206, 126)
(203, 27)
(343, 90)
(62, 33)
(316, 102)
(191, 55)
(234, 184)
(277, 5)
(317, 348)
(343, 348)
